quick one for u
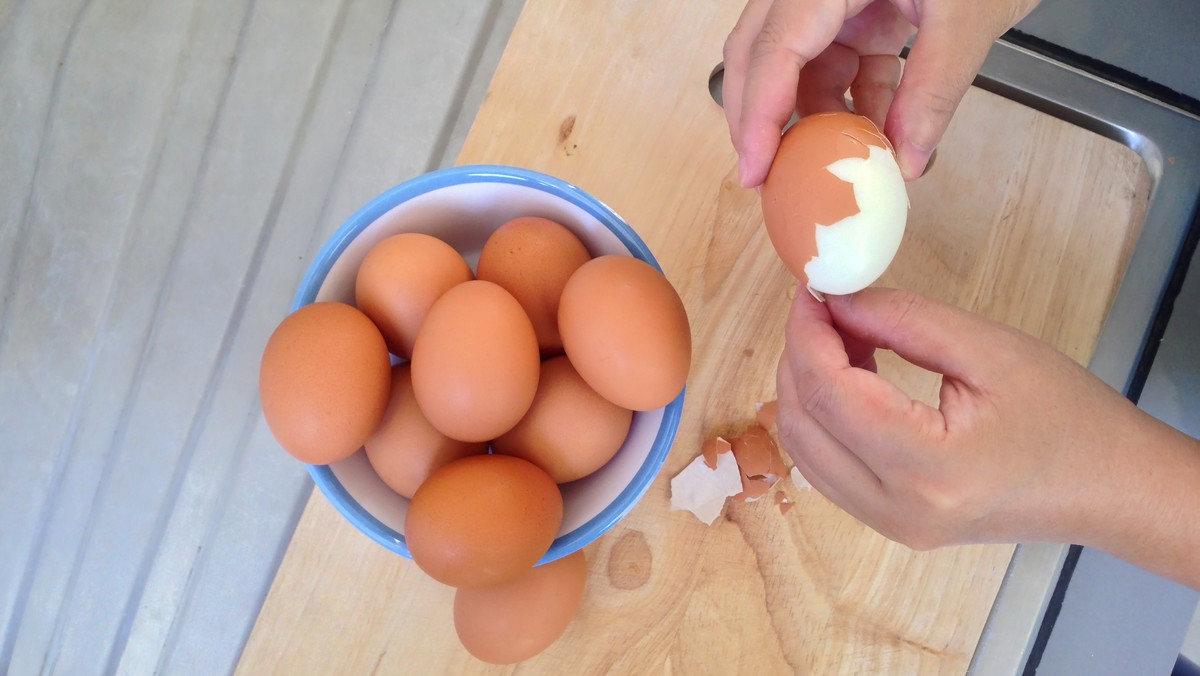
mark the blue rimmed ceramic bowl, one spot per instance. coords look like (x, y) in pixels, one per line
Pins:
(463, 206)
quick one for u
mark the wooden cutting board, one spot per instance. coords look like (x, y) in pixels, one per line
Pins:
(1024, 218)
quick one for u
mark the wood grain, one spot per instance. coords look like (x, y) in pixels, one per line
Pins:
(1024, 218)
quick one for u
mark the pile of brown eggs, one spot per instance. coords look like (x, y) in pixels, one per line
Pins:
(475, 394)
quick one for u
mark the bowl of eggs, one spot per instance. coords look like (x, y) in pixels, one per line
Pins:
(484, 370)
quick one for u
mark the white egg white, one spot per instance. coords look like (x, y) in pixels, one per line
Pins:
(853, 252)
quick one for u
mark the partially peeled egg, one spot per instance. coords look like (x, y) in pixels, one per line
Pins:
(835, 203)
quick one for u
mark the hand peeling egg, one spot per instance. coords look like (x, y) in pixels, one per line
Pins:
(834, 202)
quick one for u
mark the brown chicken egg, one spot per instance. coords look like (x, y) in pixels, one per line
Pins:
(514, 621)
(483, 520)
(570, 431)
(834, 202)
(405, 449)
(626, 331)
(324, 382)
(399, 280)
(475, 362)
(532, 258)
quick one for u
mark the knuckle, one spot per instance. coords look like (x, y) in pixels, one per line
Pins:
(772, 38)
(816, 394)
(733, 48)
(773, 35)
(939, 102)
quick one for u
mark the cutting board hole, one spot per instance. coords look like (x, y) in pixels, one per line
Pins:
(715, 80)
(716, 83)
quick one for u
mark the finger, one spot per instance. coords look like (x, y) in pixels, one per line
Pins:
(824, 81)
(877, 28)
(793, 33)
(935, 336)
(828, 486)
(948, 51)
(874, 86)
(863, 411)
(736, 58)
(859, 353)
(829, 466)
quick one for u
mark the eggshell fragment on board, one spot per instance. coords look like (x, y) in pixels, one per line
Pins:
(702, 490)
(835, 203)
(712, 448)
(767, 414)
(757, 454)
(799, 480)
(785, 505)
(514, 621)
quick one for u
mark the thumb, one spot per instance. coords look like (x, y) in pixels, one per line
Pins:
(946, 55)
(935, 336)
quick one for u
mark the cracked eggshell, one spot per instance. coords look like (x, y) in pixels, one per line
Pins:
(702, 490)
(712, 448)
(835, 203)
(799, 480)
(756, 453)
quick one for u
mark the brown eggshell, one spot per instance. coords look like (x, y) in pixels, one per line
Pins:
(475, 363)
(513, 622)
(626, 331)
(713, 447)
(324, 382)
(570, 431)
(799, 192)
(400, 279)
(405, 449)
(532, 258)
(757, 454)
(483, 520)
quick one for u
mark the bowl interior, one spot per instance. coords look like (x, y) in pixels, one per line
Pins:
(463, 208)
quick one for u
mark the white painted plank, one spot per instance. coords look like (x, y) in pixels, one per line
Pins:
(155, 436)
(169, 171)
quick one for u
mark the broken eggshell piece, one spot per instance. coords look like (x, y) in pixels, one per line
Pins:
(702, 490)
(798, 479)
(712, 448)
(835, 203)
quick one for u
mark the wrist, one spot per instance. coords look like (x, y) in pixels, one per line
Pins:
(1147, 512)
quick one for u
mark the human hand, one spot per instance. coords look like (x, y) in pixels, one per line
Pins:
(786, 56)
(1024, 444)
